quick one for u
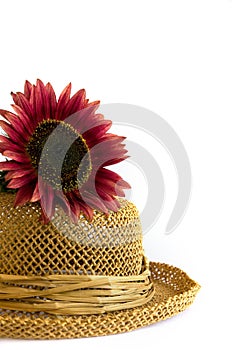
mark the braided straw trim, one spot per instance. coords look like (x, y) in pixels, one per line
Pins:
(75, 294)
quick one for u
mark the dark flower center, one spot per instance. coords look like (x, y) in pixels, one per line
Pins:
(60, 155)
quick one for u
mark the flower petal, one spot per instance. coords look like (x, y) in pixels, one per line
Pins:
(44, 101)
(15, 98)
(13, 174)
(18, 125)
(109, 201)
(100, 156)
(87, 211)
(10, 117)
(41, 103)
(110, 187)
(11, 132)
(27, 89)
(27, 122)
(97, 132)
(63, 100)
(63, 202)
(75, 103)
(24, 104)
(36, 194)
(114, 161)
(47, 201)
(82, 120)
(24, 195)
(19, 157)
(51, 96)
(44, 219)
(21, 181)
(108, 179)
(95, 202)
(11, 165)
(74, 206)
(6, 143)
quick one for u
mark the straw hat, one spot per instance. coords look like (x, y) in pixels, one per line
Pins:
(59, 282)
(71, 267)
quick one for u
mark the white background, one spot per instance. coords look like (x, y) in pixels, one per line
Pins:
(175, 58)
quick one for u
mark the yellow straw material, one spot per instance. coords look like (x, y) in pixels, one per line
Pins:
(65, 280)
(75, 294)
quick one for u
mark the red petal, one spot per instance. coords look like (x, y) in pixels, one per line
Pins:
(27, 89)
(114, 161)
(109, 187)
(45, 220)
(104, 154)
(45, 109)
(94, 202)
(10, 117)
(93, 120)
(106, 176)
(11, 132)
(19, 157)
(110, 143)
(51, 96)
(36, 194)
(76, 103)
(63, 100)
(93, 105)
(114, 139)
(25, 104)
(40, 101)
(124, 184)
(47, 201)
(6, 143)
(15, 98)
(74, 206)
(17, 124)
(11, 165)
(27, 122)
(82, 119)
(109, 201)
(63, 202)
(33, 102)
(18, 173)
(87, 211)
(23, 195)
(21, 181)
(75, 200)
(97, 132)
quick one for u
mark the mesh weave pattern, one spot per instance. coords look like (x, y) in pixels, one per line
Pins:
(108, 246)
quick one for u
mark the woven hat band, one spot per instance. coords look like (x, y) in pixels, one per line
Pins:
(75, 294)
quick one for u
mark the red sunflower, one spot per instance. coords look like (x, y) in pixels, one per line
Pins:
(59, 151)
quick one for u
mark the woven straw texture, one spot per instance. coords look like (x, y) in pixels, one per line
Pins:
(75, 294)
(110, 246)
(175, 291)
(103, 260)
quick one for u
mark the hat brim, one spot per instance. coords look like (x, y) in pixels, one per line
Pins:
(175, 291)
